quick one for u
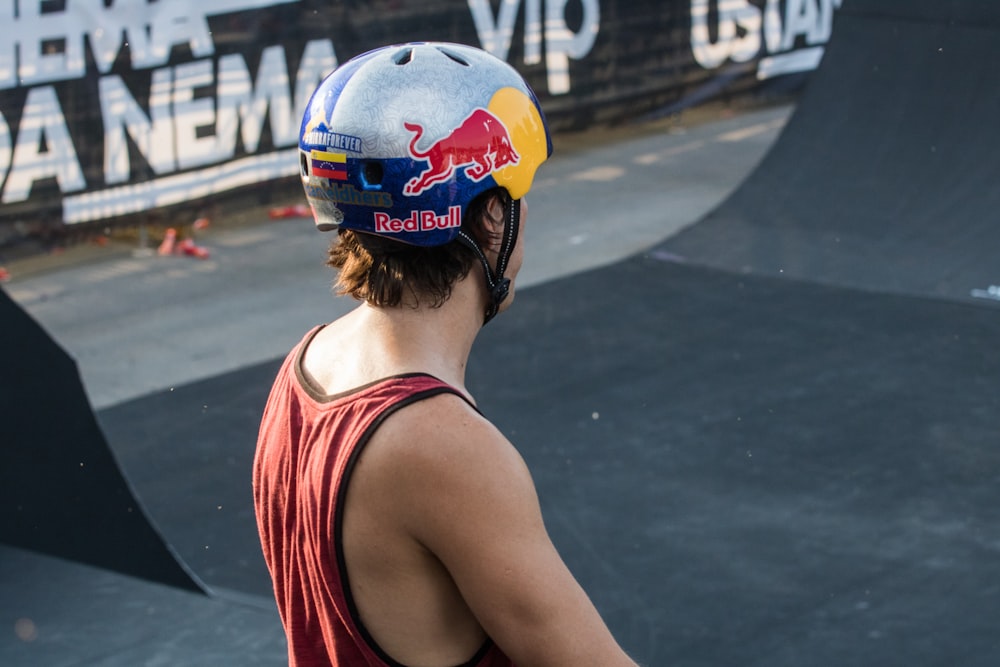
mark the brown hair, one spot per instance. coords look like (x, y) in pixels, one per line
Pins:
(383, 272)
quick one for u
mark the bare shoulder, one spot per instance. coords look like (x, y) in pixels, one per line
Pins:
(444, 442)
(454, 477)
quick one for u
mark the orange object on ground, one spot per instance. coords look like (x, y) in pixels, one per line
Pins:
(189, 248)
(297, 211)
(169, 241)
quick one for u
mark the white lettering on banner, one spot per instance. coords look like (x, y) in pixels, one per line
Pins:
(43, 148)
(153, 136)
(251, 104)
(185, 127)
(739, 28)
(193, 116)
(244, 104)
(197, 112)
(240, 108)
(743, 27)
(561, 43)
(808, 18)
(39, 46)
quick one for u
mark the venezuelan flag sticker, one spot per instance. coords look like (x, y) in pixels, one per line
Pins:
(329, 165)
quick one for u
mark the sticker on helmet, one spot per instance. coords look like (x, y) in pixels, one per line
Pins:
(329, 165)
(480, 145)
(342, 193)
(419, 221)
(334, 141)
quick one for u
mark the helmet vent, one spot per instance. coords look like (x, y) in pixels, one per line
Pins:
(403, 57)
(451, 54)
(372, 173)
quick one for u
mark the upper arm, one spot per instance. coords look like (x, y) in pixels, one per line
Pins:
(467, 496)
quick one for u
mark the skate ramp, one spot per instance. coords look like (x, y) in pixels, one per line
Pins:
(885, 176)
(61, 490)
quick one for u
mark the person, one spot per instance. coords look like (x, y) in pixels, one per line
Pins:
(400, 527)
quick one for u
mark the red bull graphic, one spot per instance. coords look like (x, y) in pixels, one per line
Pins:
(480, 144)
(418, 221)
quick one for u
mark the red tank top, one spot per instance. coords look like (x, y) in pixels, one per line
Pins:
(306, 450)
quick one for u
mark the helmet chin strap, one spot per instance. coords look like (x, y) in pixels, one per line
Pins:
(497, 285)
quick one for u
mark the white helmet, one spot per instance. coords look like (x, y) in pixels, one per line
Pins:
(397, 141)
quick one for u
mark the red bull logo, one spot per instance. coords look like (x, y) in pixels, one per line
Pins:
(419, 221)
(480, 145)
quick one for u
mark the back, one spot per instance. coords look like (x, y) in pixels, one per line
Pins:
(309, 446)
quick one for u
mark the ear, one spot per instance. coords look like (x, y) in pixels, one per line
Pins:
(493, 221)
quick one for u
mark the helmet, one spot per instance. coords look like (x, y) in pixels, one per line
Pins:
(398, 141)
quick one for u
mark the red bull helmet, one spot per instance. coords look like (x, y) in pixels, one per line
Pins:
(398, 141)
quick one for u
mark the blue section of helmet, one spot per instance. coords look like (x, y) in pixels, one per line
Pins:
(431, 218)
(363, 206)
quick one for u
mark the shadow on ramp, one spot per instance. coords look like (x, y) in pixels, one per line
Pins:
(61, 490)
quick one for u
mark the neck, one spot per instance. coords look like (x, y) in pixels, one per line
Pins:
(432, 340)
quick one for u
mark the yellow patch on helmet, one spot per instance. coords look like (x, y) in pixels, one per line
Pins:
(527, 132)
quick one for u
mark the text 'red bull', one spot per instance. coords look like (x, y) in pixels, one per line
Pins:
(480, 145)
(419, 221)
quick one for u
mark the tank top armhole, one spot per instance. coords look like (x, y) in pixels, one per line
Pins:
(352, 609)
